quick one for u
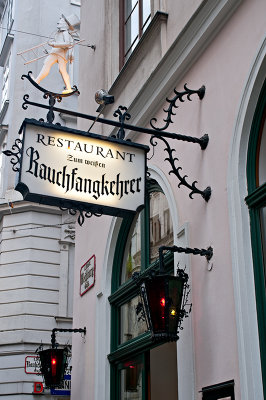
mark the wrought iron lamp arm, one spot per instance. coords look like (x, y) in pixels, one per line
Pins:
(208, 253)
(80, 330)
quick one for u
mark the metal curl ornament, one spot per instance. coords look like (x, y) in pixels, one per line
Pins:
(122, 118)
(48, 92)
(206, 193)
(83, 213)
(25, 104)
(52, 96)
(178, 96)
(15, 154)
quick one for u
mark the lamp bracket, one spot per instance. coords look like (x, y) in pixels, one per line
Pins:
(79, 330)
(208, 253)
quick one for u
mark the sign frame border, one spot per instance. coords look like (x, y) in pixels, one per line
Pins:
(75, 204)
(94, 267)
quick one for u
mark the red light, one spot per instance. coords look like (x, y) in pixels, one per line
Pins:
(53, 361)
(162, 302)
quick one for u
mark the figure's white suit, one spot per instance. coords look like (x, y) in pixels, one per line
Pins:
(61, 53)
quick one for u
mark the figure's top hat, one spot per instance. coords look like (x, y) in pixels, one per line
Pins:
(72, 21)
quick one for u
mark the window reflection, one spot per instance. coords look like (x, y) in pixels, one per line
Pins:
(132, 261)
(131, 379)
(131, 327)
(161, 234)
(161, 227)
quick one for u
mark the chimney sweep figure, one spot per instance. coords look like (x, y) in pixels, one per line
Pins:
(62, 50)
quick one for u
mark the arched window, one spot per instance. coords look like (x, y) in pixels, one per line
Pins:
(256, 201)
(138, 369)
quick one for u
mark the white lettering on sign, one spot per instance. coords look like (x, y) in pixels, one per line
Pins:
(87, 275)
(66, 389)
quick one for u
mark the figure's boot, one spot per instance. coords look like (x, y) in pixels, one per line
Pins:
(67, 83)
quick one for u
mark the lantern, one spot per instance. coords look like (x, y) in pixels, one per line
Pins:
(164, 298)
(53, 365)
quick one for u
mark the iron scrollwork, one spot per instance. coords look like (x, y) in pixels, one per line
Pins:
(15, 154)
(52, 96)
(123, 115)
(206, 193)
(81, 211)
(178, 96)
(186, 306)
(122, 118)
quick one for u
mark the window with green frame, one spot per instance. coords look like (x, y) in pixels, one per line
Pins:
(256, 201)
(136, 365)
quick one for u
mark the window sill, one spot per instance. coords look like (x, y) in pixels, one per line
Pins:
(131, 347)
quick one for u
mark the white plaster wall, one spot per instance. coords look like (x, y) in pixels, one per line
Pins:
(35, 263)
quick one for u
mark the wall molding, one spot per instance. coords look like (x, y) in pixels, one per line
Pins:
(242, 262)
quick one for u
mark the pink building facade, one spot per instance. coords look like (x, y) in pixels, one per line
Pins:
(221, 349)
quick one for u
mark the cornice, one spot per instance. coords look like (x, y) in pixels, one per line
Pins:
(22, 206)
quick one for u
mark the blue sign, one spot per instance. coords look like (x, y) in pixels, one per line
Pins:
(66, 389)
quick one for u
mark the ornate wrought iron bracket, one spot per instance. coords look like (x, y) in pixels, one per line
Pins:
(202, 141)
(15, 154)
(178, 96)
(123, 116)
(53, 342)
(208, 253)
(206, 193)
(52, 96)
(82, 212)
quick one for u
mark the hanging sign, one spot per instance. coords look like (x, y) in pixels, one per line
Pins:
(87, 275)
(66, 167)
(65, 390)
(32, 365)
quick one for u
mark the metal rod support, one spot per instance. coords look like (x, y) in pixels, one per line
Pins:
(202, 141)
(208, 253)
(80, 330)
